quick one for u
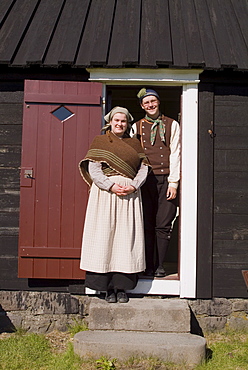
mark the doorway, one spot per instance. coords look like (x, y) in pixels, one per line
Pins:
(126, 96)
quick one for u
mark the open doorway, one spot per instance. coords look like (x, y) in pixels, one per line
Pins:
(126, 96)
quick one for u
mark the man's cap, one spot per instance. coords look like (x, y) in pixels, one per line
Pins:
(147, 92)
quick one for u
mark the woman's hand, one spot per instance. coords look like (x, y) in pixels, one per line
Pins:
(129, 189)
(122, 190)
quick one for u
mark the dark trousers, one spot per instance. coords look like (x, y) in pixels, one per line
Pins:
(158, 216)
(110, 280)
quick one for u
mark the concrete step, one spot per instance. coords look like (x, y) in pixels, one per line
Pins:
(180, 348)
(140, 314)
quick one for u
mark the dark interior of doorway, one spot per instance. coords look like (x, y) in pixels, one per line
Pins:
(126, 96)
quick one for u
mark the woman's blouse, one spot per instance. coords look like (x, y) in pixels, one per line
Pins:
(105, 183)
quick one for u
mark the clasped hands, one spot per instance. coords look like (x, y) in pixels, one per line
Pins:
(122, 190)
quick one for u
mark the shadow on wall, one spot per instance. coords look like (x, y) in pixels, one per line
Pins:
(6, 325)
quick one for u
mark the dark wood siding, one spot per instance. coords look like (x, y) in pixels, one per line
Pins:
(11, 101)
(230, 191)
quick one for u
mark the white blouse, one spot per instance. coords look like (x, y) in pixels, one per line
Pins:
(104, 182)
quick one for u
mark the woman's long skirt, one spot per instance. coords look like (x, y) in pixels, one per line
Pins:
(113, 238)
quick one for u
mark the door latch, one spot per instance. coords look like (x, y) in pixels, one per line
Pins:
(28, 174)
(211, 134)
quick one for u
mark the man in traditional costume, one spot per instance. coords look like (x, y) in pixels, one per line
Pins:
(160, 137)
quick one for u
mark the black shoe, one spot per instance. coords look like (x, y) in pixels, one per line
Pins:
(110, 297)
(122, 297)
(160, 272)
(149, 272)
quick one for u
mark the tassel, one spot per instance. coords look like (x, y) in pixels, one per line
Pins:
(109, 137)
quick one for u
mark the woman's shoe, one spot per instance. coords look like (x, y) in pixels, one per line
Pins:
(110, 296)
(122, 297)
(149, 272)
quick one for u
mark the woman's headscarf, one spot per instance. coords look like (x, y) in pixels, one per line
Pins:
(115, 110)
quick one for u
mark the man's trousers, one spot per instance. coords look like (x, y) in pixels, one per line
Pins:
(158, 216)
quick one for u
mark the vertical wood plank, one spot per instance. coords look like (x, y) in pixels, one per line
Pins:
(55, 176)
(159, 52)
(68, 185)
(77, 272)
(81, 188)
(205, 192)
(42, 178)
(40, 268)
(66, 269)
(25, 267)
(53, 268)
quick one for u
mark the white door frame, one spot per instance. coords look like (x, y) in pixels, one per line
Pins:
(189, 80)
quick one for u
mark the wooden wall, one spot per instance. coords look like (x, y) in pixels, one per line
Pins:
(11, 102)
(222, 187)
(230, 246)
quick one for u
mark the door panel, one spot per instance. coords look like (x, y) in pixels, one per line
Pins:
(54, 198)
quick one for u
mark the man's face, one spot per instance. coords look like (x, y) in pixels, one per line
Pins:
(151, 106)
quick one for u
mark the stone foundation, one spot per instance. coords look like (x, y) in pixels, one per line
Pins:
(43, 312)
(39, 312)
(220, 313)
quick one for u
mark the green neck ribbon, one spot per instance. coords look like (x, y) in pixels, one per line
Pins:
(157, 123)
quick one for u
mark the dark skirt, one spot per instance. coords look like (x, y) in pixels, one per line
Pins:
(110, 280)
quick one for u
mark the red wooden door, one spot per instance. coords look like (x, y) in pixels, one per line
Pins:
(59, 122)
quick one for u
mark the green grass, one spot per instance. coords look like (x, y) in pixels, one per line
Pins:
(77, 326)
(33, 352)
(227, 351)
(25, 351)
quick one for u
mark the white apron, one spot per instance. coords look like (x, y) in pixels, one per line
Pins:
(113, 237)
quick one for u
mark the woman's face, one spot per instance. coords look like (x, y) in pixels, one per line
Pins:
(118, 124)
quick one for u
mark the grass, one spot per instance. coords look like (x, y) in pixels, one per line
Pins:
(33, 352)
(77, 326)
(29, 351)
(228, 351)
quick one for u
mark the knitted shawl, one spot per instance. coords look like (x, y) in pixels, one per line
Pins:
(118, 156)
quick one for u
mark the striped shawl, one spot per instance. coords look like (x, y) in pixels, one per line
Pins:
(118, 156)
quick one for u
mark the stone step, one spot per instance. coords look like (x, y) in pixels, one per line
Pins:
(179, 348)
(140, 314)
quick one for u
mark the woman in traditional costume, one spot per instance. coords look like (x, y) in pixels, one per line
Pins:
(113, 250)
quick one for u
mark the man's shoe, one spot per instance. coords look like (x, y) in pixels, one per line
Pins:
(122, 297)
(160, 272)
(110, 297)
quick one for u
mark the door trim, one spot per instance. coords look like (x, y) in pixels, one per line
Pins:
(189, 80)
